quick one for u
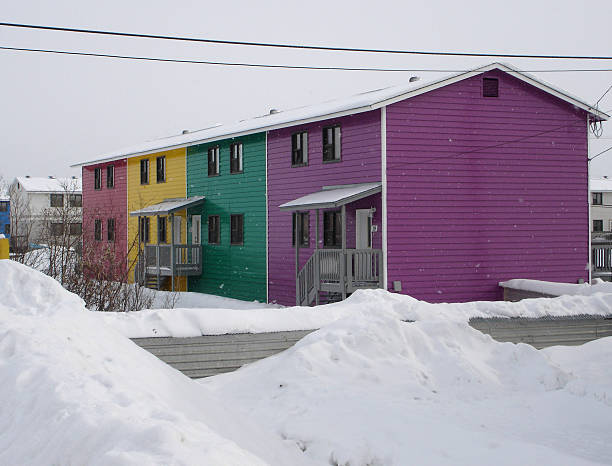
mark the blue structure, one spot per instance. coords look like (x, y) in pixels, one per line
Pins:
(5, 219)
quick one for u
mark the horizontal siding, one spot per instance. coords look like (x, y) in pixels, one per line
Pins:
(231, 270)
(464, 215)
(103, 204)
(360, 164)
(142, 195)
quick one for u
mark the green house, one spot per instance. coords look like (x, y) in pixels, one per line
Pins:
(231, 224)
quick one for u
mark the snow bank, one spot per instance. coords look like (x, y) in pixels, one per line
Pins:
(558, 289)
(373, 390)
(75, 391)
(194, 322)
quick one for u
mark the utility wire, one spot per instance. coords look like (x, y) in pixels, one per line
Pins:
(600, 153)
(264, 65)
(302, 47)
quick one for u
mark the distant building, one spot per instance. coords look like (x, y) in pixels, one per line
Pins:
(5, 218)
(38, 203)
(601, 204)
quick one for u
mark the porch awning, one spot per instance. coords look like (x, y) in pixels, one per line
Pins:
(332, 196)
(168, 206)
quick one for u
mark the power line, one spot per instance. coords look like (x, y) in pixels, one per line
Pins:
(600, 153)
(301, 47)
(265, 65)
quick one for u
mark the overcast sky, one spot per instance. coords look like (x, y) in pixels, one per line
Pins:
(58, 110)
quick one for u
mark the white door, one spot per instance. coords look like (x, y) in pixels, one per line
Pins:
(363, 229)
(196, 229)
(176, 229)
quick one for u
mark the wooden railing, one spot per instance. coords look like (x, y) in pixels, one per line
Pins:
(601, 259)
(337, 271)
(185, 259)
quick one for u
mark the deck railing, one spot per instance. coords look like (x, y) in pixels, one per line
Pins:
(338, 271)
(187, 259)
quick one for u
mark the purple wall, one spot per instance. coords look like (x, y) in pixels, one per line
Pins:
(360, 164)
(459, 224)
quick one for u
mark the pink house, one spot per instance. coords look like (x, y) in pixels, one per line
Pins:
(105, 218)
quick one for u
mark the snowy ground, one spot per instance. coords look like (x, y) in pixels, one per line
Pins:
(366, 389)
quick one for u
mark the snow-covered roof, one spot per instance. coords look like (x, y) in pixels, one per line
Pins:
(332, 196)
(168, 206)
(363, 102)
(36, 184)
(601, 184)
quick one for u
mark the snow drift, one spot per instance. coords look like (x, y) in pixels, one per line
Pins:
(77, 392)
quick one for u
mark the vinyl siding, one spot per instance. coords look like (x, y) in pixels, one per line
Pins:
(461, 220)
(140, 196)
(103, 204)
(360, 164)
(236, 271)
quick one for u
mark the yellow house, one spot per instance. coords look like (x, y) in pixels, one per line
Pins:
(157, 227)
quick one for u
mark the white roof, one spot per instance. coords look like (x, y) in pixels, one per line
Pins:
(332, 196)
(41, 184)
(168, 206)
(334, 108)
(600, 184)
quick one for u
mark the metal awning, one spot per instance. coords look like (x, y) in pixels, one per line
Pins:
(332, 196)
(168, 206)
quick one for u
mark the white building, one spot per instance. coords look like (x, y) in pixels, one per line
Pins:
(601, 204)
(39, 203)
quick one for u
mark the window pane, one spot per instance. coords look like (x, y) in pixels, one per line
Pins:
(97, 178)
(337, 143)
(161, 169)
(110, 176)
(57, 200)
(236, 222)
(144, 171)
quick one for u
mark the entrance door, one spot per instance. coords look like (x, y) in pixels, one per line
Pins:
(196, 229)
(176, 229)
(363, 229)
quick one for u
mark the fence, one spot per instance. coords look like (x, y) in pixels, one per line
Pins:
(208, 355)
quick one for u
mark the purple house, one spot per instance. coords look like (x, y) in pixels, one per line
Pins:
(438, 190)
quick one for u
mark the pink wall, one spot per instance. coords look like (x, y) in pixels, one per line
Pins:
(459, 224)
(103, 204)
(360, 164)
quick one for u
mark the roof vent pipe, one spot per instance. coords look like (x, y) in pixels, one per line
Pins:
(51, 177)
(27, 176)
(413, 79)
(273, 111)
(185, 131)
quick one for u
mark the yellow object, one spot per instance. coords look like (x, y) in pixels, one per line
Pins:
(4, 248)
(142, 195)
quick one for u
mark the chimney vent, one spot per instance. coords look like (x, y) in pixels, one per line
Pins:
(185, 131)
(273, 111)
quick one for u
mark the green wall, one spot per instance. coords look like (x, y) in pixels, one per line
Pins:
(229, 270)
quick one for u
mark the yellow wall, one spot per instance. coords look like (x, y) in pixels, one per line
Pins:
(140, 196)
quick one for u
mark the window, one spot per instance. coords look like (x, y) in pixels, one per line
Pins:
(162, 230)
(236, 157)
(97, 178)
(110, 176)
(161, 169)
(144, 171)
(214, 230)
(490, 87)
(303, 229)
(597, 198)
(237, 229)
(213, 161)
(332, 229)
(7, 229)
(56, 200)
(75, 200)
(57, 229)
(3, 207)
(331, 144)
(597, 225)
(98, 229)
(143, 229)
(75, 229)
(299, 149)
(110, 229)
